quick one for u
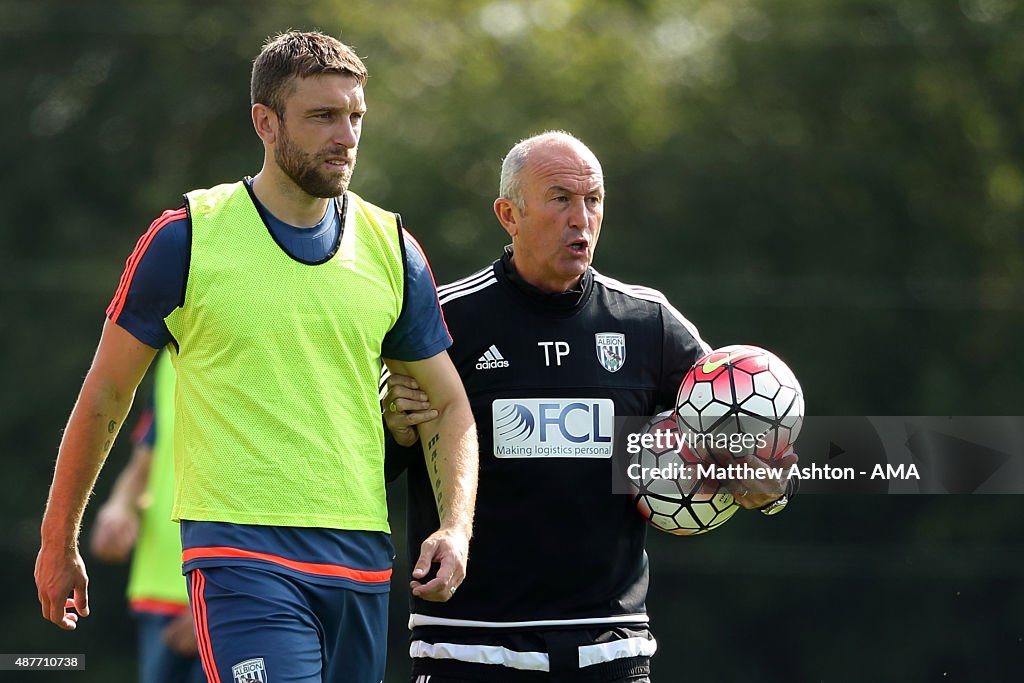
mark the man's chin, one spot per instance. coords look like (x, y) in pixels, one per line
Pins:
(572, 275)
(327, 190)
(576, 267)
(331, 194)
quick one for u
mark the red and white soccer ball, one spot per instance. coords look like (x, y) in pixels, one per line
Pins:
(744, 395)
(681, 503)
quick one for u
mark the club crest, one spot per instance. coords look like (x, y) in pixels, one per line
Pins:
(250, 671)
(611, 350)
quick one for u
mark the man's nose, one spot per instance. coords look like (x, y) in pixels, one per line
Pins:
(579, 217)
(346, 134)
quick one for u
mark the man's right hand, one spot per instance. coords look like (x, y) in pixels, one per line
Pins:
(60, 572)
(406, 406)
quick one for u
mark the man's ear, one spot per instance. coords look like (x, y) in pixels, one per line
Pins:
(508, 215)
(266, 123)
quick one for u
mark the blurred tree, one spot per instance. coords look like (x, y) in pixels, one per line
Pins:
(839, 181)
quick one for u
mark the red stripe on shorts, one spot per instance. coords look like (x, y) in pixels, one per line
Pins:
(203, 627)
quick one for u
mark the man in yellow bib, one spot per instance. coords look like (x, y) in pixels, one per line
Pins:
(277, 297)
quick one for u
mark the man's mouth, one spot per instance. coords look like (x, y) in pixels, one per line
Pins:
(579, 246)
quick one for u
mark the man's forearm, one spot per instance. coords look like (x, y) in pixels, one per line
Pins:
(451, 450)
(94, 424)
(118, 366)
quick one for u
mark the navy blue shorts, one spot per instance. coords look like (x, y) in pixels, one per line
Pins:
(258, 625)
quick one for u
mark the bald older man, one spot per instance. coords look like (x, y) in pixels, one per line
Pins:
(550, 351)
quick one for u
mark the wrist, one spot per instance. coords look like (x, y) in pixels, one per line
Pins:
(460, 528)
(51, 540)
(774, 507)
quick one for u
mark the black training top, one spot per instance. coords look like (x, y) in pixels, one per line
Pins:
(546, 374)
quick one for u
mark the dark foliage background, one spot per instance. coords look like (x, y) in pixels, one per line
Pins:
(840, 181)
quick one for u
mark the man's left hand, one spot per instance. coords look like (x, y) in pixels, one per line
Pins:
(754, 493)
(450, 548)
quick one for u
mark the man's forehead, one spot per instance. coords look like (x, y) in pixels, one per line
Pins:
(575, 180)
(325, 88)
(566, 167)
(589, 184)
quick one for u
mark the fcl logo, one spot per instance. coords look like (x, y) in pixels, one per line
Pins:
(611, 350)
(250, 671)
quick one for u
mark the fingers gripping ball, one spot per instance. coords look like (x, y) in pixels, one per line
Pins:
(742, 400)
(669, 490)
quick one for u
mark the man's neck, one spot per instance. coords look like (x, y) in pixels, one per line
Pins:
(285, 200)
(545, 285)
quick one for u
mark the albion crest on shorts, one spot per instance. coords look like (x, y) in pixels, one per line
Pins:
(250, 671)
(611, 350)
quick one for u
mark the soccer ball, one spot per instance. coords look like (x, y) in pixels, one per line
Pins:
(741, 399)
(681, 503)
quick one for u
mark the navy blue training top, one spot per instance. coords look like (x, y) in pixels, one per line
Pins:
(153, 285)
(156, 276)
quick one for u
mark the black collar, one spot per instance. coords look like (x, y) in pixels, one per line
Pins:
(559, 301)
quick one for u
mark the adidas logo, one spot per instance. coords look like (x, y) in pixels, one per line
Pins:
(491, 359)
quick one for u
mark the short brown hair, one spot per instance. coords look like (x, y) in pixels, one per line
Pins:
(296, 54)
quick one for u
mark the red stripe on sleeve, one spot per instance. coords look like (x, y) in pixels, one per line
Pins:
(423, 254)
(131, 257)
(117, 303)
